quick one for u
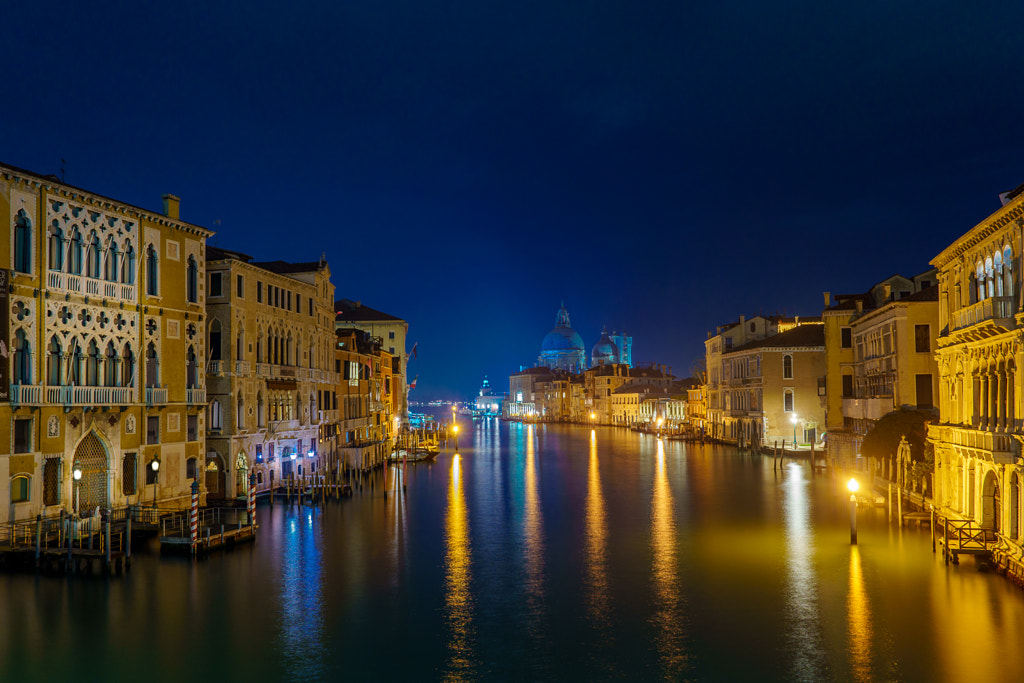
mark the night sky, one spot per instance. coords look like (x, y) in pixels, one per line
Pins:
(659, 166)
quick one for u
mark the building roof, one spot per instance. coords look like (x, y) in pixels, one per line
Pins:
(802, 335)
(285, 268)
(930, 293)
(217, 254)
(346, 310)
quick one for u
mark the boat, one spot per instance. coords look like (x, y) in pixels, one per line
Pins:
(416, 454)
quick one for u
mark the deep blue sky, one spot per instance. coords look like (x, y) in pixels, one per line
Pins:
(659, 166)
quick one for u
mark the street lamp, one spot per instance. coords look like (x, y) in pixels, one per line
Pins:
(853, 486)
(456, 430)
(794, 421)
(155, 464)
(311, 455)
(77, 474)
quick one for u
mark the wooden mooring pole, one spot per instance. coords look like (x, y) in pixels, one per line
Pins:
(899, 504)
(932, 526)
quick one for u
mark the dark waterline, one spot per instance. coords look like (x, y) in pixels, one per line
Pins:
(543, 553)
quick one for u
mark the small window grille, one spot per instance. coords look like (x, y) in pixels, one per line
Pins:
(51, 481)
(129, 474)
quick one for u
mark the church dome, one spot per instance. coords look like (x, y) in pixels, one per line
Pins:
(562, 339)
(605, 351)
(562, 348)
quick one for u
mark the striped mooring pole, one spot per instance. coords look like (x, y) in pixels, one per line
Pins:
(252, 499)
(194, 516)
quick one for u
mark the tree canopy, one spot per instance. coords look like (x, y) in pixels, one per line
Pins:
(884, 438)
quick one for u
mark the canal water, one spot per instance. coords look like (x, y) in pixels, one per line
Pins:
(539, 553)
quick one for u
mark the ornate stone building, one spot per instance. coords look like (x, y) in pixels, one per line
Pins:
(270, 369)
(978, 472)
(562, 347)
(104, 324)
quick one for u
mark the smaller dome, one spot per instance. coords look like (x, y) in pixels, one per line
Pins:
(605, 351)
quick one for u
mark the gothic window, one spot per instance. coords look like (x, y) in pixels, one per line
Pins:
(215, 335)
(128, 266)
(53, 375)
(127, 366)
(56, 247)
(75, 360)
(92, 259)
(787, 367)
(152, 366)
(1015, 505)
(190, 368)
(22, 242)
(311, 352)
(92, 365)
(22, 369)
(192, 280)
(110, 367)
(215, 414)
(21, 485)
(997, 264)
(152, 287)
(110, 263)
(990, 289)
(75, 253)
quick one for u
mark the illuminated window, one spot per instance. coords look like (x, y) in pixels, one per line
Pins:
(20, 487)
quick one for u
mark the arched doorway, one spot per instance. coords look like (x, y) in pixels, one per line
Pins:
(990, 503)
(241, 475)
(91, 456)
(216, 481)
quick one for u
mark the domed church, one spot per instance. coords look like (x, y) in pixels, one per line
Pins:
(562, 348)
(605, 351)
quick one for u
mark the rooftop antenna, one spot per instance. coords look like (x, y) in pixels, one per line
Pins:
(62, 163)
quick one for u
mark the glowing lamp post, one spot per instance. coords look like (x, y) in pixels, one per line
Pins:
(661, 421)
(312, 481)
(794, 420)
(853, 486)
(155, 465)
(455, 429)
(77, 474)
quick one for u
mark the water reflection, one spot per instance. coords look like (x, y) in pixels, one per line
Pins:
(801, 577)
(859, 616)
(597, 540)
(533, 530)
(301, 597)
(458, 600)
(397, 517)
(668, 602)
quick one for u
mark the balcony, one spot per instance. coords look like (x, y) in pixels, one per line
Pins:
(215, 367)
(867, 408)
(242, 367)
(156, 396)
(195, 396)
(328, 416)
(998, 447)
(79, 284)
(996, 308)
(32, 395)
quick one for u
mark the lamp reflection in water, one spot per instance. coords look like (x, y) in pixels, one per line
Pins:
(859, 618)
(597, 541)
(533, 530)
(666, 573)
(802, 610)
(458, 600)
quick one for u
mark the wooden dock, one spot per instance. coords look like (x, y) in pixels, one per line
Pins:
(218, 528)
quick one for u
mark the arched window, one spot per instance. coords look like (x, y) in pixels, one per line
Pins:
(997, 264)
(92, 365)
(75, 253)
(270, 347)
(1007, 272)
(787, 400)
(152, 282)
(110, 262)
(110, 378)
(92, 260)
(259, 347)
(22, 242)
(240, 345)
(259, 410)
(190, 368)
(980, 275)
(53, 374)
(990, 289)
(190, 468)
(215, 414)
(127, 366)
(56, 247)
(152, 366)
(787, 367)
(215, 340)
(22, 365)
(21, 487)
(192, 281)
(75, 359)
(240, 424)
(1015, 505)
(128, 266)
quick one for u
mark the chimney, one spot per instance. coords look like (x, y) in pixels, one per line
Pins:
(171, 206)
(828, 299)
(887, 291)
(860, 306)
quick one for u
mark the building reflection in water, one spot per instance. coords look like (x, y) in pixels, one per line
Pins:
(597, 541)
(397, 517)
(458, 599)
(301, 597)
(859, 615)
(802, 609)
(667, 616)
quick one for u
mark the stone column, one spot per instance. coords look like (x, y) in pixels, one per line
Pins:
(1001, 398)
(983, 399)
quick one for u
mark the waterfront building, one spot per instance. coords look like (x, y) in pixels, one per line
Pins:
(363, 435)
(104, 325)
(486, 401)
(696, 408)
(879, 349)
(633, 403)
(270, 369)
(393, 333)
(724, 339)
(770, 387)
(977, 441)
(523, 390)
(562, 347)
(599, 384)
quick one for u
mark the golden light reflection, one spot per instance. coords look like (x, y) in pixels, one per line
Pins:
(396, 517)
(665, 570)
(458, 600)
(801, 577)
(597, 541)
(533, 528)
(859, 615)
